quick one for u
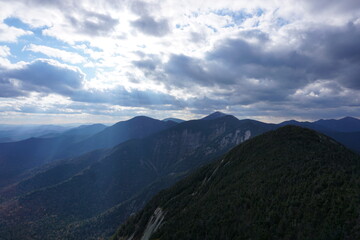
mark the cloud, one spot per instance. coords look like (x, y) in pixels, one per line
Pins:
(250, 69)
(324, 93)
(335, 51)
(184, 70)
(9, 89)
(42, 75)
(237, 63)
(148, 25)
(263, 57)
(11, 34)
(49, 77)
(4, 51)
(147, 64)
(122, 97)
(142, 8)
(347, 6)
(66, 56)
(92, 23)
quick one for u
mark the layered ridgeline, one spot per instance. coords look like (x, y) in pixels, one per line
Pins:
(291, 183)
(87, 197)
(18, 157)
(345, 130)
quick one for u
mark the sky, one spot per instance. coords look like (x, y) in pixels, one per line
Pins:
(106, 60)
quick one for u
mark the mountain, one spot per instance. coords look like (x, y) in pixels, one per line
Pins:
(177, 120)
(90, 203)
(86, 197)
(347, 124)
(12, 133)
(311, 125)
(80, 133)
(18, 157)
(349, 139)
(137, 127)
(85, 131)
(291, 183)
(214, 115)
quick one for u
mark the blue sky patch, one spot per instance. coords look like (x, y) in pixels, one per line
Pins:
(238, 17)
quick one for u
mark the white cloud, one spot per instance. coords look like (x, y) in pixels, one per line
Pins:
(109, 44)
(66, 56)
(11, 34)
(4, 51)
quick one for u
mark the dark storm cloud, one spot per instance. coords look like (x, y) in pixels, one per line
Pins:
(336, 53)
(183, 69)
(142, 8)
(246, 71)
(251, 72)
(83, 20)
(345, 6)
(69, 5)
(147, 64)
(149, 26)
(92, 23)
(147, 23)
(9, 89)
(58, 4)
(46, 76)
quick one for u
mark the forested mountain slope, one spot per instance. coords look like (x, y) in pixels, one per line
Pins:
(292, 183)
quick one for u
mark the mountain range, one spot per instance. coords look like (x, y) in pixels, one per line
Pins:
(13, 133)
(84, 182)
(18, 157)
(119, 178)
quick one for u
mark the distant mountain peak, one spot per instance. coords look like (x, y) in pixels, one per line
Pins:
(349, 118)
(346, 124)
(141, 117)
(215, 115)
(177, 120)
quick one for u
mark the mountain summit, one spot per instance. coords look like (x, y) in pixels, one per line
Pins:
(215, 115)
(291, 183)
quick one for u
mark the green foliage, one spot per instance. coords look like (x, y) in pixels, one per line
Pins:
(292, 183)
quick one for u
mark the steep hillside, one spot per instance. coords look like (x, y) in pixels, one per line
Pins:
(120, 183)
(17, 157)
(51, 174)
(292, 183)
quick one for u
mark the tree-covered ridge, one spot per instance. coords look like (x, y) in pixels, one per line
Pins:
(292, 183)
